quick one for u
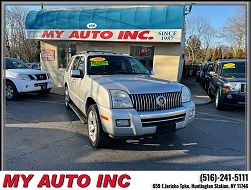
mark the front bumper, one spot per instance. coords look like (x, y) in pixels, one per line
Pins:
(233, 98)
(32, 85)
(145, 123)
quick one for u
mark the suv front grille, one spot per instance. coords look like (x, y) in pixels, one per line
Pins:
(39, 77)
(148, 102)
(163, 120)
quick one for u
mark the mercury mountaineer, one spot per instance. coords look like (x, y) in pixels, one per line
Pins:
(120, 98)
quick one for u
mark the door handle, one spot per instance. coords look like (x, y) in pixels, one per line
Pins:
(73, 80)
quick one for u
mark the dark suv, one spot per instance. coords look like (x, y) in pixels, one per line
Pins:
(229, 85)
(207, 74)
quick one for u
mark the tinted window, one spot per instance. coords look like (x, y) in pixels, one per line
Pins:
(109, 65)
(234, 69)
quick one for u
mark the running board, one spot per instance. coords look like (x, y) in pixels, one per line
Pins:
(80, 115)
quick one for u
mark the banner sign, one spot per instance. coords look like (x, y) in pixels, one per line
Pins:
(129, 180)
(48, 55)
(161, 35)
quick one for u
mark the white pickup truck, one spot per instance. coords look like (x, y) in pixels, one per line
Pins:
(121, 99)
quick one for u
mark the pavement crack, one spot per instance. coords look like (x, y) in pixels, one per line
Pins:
(39, 148)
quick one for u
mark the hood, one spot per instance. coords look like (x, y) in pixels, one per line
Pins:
(136, 84)
(27, 71)
(233, 79)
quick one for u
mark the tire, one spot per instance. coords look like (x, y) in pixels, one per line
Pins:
(98, 138)
(205, 86)
(218, 102)
(67, 99)
(209, 93)
(11, 92)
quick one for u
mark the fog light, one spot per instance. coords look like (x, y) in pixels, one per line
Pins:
(229, 96)
(226, 89)
(123, 122)
(27, 86)
(191, 112)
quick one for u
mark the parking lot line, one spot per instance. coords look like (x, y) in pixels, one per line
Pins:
(217, 120)
(219, 116)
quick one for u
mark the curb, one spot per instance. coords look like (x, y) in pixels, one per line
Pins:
(200, 104)
(56, 93)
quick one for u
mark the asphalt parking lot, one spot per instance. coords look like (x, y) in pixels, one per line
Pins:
(41, 134)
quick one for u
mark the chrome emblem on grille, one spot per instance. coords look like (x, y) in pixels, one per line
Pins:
(161, 101)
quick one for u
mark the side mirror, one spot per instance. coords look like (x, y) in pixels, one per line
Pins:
(76, 74)
(152, 73)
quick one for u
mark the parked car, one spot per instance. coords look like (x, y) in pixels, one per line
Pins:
(121, 99)
(34, 66)
(207, 73)
(199, 72)
(21, 79)
(229, 84)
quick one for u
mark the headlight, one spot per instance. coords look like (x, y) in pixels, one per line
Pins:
(48, 76)
(24, 77)
(120, 99)
(233, 86)
(185, 94)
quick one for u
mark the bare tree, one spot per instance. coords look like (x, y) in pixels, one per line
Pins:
(193, 50)
(14, 34)
(201, 28)
(235, 31)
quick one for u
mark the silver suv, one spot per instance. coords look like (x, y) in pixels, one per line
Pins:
(121, 99)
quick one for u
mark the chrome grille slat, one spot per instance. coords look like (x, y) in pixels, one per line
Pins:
(148, 103)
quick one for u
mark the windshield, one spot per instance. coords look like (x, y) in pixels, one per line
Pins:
(111, 64)
(234, 69)
(12, 63)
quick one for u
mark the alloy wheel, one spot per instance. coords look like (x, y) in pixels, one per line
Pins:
(9, 92)
(92, 126)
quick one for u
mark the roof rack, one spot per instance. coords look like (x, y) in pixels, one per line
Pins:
(99, 51)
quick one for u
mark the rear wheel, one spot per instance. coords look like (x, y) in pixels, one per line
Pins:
(218, 102)
(98, 138)
(10, 91)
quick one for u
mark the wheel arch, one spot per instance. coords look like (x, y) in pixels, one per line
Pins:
(9, 80)
(89, 101)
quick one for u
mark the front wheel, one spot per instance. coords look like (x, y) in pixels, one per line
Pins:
(205, 86)
(10, 91)
(218, 102)
(98, 138)
(209, 93)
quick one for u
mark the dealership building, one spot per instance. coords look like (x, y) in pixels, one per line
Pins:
(152, 34)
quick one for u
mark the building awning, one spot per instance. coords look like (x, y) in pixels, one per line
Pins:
(117, 24)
